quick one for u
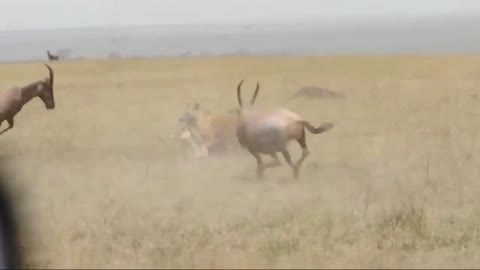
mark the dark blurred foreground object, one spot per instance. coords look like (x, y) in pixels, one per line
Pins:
(316, 92)
(9, 253)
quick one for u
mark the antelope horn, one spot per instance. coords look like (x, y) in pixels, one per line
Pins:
(255, 94)
(50, 71)
(239, 94)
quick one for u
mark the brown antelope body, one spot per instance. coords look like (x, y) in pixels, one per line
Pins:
(51, 56)
(269, 131)
(207, 132)
(12, 100)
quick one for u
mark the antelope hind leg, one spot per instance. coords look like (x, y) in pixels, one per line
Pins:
(288, 159)
(305, 153)
(298, 164)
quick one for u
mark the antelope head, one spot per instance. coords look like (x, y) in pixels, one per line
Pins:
(45, 90)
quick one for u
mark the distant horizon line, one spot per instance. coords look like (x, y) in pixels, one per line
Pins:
(386, 19)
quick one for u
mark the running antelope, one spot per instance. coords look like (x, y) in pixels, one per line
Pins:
(13, 99)
(207, 132)
(269, 131)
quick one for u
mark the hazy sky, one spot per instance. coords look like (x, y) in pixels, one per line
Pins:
(27, 14)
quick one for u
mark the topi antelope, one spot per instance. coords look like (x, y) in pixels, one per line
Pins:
(269, 131)
(13, 99)
(52, 57)
(208, 132)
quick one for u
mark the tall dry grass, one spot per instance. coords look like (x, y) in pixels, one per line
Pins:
(394, 184)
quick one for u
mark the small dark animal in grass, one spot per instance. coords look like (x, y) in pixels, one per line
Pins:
(51, 56)
(316, 92)
(12, 100)
(269, 131)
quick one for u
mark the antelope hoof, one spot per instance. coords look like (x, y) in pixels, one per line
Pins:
(259, 173)
(296, 172)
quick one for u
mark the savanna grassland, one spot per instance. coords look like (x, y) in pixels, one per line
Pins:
(394, 184)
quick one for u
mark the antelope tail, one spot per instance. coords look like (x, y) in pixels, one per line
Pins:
(317, 130)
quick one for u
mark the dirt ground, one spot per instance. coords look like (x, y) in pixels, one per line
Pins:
(394, 184)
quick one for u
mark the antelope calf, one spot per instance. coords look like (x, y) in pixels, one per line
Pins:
(269, 131)
(13, 99)
(208, 132)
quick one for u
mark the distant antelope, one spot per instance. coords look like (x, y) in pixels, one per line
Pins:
(13, 99)
(207, 132)
(269, 131)
(52, 57)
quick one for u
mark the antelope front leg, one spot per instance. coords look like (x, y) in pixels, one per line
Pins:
(274, 163)
(260, 166)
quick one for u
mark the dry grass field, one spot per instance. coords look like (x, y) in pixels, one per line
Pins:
(396, 183)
